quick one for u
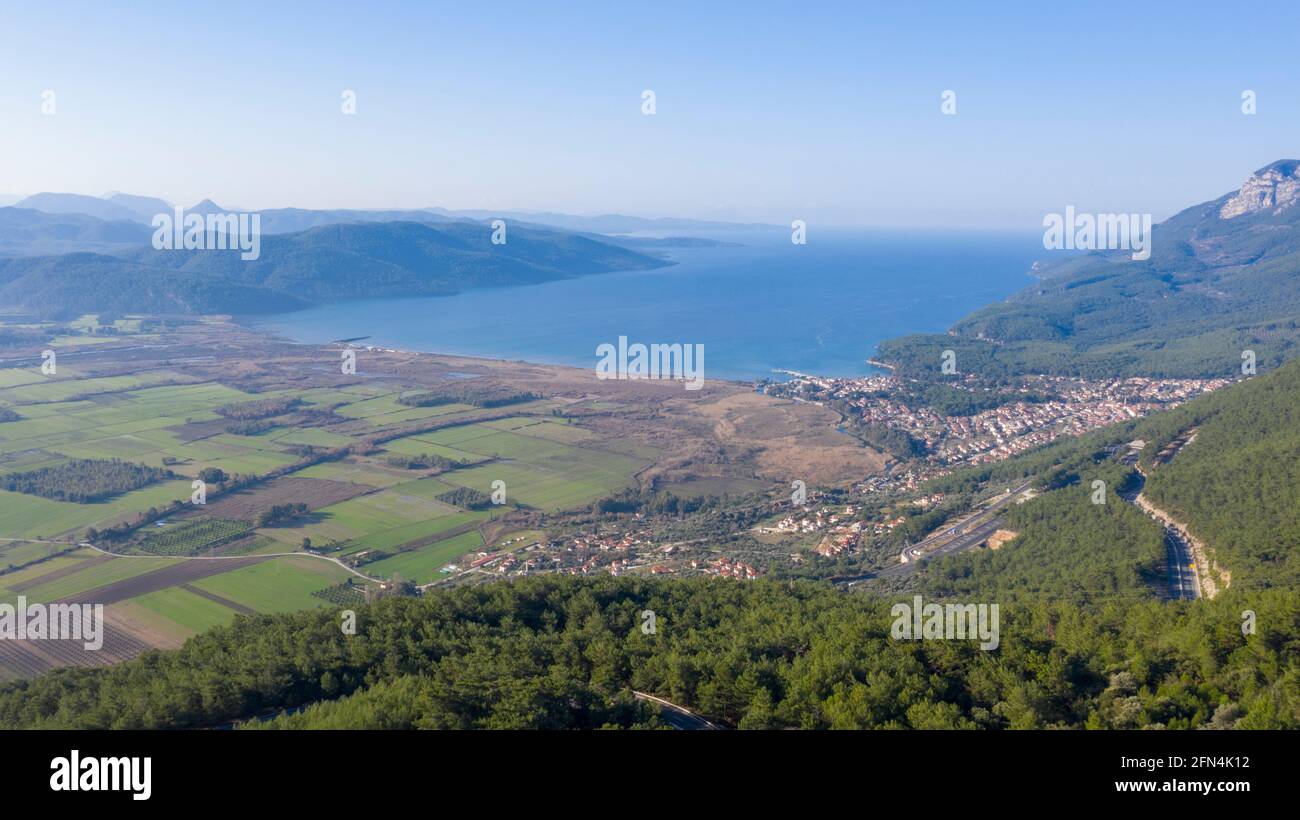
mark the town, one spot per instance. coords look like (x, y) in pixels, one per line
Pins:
(1037, 410)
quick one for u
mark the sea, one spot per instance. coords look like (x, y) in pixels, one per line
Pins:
(760, 305)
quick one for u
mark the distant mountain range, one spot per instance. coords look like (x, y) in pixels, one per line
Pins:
(97, 207)
(610, 223)
(116, 206)
(1223, 277)
(25, 232)
(332, 262)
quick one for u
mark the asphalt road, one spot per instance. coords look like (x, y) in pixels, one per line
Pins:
(1182, 578)
(678, 717)
(1178, 553)
(987, 522)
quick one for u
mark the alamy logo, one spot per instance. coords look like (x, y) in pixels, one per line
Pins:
(1094, 232)
(75, 773)
(53, 622)
(921, 621)
(215, 232)
(656, 361)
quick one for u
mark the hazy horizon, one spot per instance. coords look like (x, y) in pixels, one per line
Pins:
(762, 114)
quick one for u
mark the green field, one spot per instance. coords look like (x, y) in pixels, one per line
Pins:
(276, 584)
(368, 473)
(21, 553)
(29, 516)
(92, 577)
(546, 463)
(533, 486)
(422, 565)
(180, 606)
(396, 536)
(402, 504)
(32, 568)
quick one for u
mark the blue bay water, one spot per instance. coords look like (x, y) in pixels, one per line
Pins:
(768, 304)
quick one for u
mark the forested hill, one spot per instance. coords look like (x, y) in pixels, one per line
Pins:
(1223, 277)
(1236, 486)
(563, 652)
(324, 264)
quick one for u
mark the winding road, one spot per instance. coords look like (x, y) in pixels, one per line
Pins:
(1180, 564)
(678, 717)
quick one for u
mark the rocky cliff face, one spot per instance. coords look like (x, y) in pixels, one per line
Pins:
(1273, 188)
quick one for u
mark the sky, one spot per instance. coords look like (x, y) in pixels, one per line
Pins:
(825, 112)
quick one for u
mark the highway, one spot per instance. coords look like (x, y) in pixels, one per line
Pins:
(678, 717)
(1182, 578)
(985, 522)
(1180, 574)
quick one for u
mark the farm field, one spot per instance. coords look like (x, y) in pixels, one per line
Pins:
(535, 486)
(352, 471)
(421, 565)
(294, 459)
(20, 553)
(90, 576)
(276, 584)
(395, 537)
(19, 580)
(177, 606)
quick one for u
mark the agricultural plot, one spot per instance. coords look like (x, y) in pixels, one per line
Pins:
(355, 471)
(554, 431)
(179, 606)
(406, 503)
(79, 341)
(202, 566)
(61, 388)
(251, 462)
(193, 536)
(26, 459)
(92, 577)
(422, 565)
(503, 444)
(34, 572)
(389, 539)
(16, 377)
(248, 504)
(312, 436)
(415, 413)
(45, 572)
(345, 594)
(374, 406)
(26, 658)
(29, 516)
(123, 447)
(21, 553)
(457, 436)
(531, 486)
(416, 446)
(251, 545)
(276, 584)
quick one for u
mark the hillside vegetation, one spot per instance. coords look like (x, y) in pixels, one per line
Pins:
(561, 652)
(324, 264)
(1212, 288)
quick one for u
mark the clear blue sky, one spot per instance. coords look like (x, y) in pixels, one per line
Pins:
(826, 112)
